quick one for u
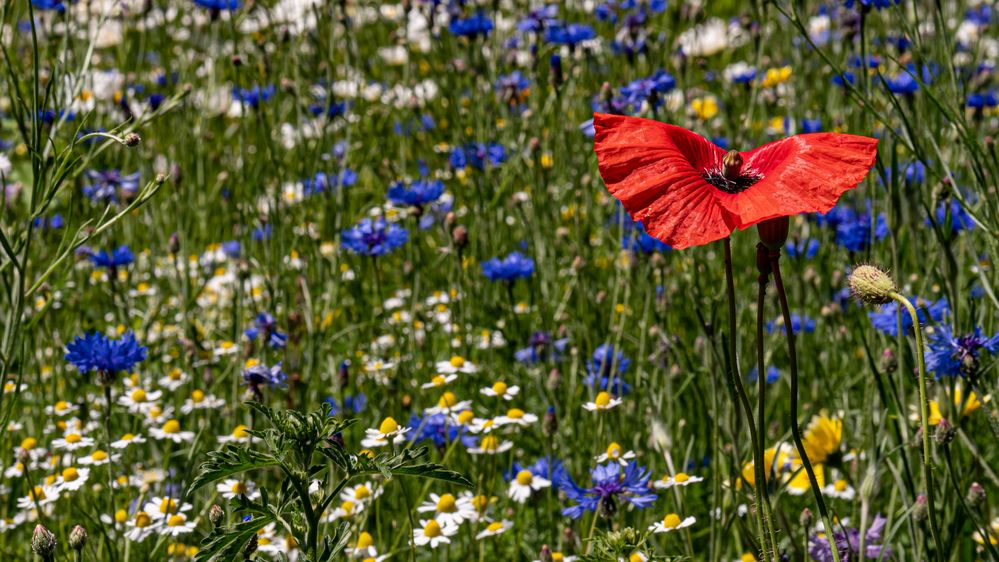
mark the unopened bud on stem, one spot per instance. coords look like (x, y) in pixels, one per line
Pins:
(871, 285)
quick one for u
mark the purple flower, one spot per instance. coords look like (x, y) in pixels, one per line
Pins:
(950, 355)
(611, 484)
(374, 237)
(848, 542)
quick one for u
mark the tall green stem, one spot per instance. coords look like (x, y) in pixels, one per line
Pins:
(924, 420)
(795, 430)
(762, 515)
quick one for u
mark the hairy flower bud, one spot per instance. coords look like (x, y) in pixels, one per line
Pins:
(546, 554)
(132, 139)
(78, 538)
(869, 485)
(889, 363)
(945, 432)
(919, 511)
(43, 543)
(216, 515)
(871, 285)
(976, 494)
(806, 518)
(460, 236)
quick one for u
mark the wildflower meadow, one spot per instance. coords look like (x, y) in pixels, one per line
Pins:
(499, 280)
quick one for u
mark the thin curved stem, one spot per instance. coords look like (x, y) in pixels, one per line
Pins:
(795, 430)
(924, 417)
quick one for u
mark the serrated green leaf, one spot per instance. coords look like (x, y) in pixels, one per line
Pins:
(226, 544)
(334, 543)
(229, 460)
(433, 471)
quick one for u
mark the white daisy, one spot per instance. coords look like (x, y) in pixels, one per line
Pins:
(72, 478)
(616, 454)
(433, 533)
(500, 389)
(603, 401)
(231, 488)
(449, 510)
(678, 479)
(98, 458)
(139, 399)
(171, 431)
(516, 416)
(493, 529)
(439, 381)
(671, 522)
(174, 379)
(523, 483)
(141, 527)
(176, 525)
(457, 364)
(389, 429)
(490, 445)
(127, 440)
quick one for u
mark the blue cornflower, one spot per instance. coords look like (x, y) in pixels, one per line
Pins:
(853, 229)
(807, 248)
(95, 351)
(572, 34)
(605, 370)
(843, 79)
(950, 355)
(439, 430)
(253, 96)
(478, 155)
(119, 257)
(982, 101)
(219, 5)
(811, 125)
(638, 240)
(55, 222)
(514, 266)
(374, 237)
(232, 248)
(354, 404)
(258, 375)
(542, 347)
(799, 323)
(538, 18)
(959, 218)
(266, 324)
(322, 182)
(417, 194)
(641, 90)
(885, 319)
(110, 185)
(472, 26)
(611, 484)
(876, 4)
(57, 5)
(773, 374)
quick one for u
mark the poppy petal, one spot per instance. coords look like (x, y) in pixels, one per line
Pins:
(655, 169)
(801, 174)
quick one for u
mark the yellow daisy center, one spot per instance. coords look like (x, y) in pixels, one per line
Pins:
(168, 505)
(671, 521)
(490, 443)
(524, 478)
(142, 519)
(840, 485)
(500, 388)
(172, 426)
(447, 504)
(70, 474)
(29, 443)
(465, 417)
(457, 361)
(495, 527)
(73, 438)
(61, 406)
(120, 516)
(448, 400)
(439, 380)
(176, 520)
(98, 456)
(347, 507)
(362, 492)
(240, 432)
(364, 540)
(432, 529)
(613, 451)
(681, 477)
(138, 395)
(239, 488)
(387, 426)
(197, 396)
(602, 400)
(515, 413)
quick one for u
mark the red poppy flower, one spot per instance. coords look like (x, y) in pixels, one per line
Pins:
(687, 191)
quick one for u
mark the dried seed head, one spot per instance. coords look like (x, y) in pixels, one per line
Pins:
(871, 285)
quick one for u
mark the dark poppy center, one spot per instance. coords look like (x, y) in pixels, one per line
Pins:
(736, 184)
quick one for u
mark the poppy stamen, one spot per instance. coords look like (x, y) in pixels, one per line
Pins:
(729, 177)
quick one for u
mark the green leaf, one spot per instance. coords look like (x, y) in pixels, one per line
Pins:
(334, 543)
(226, 544)
(433, 471)
(230, 460)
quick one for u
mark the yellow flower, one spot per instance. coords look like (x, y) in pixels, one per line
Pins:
(705, 108)
(775, 76)
(823, 438)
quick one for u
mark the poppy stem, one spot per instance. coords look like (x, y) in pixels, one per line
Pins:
(924, 415)
(795, 430)
(762, 279)
(762, 515)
